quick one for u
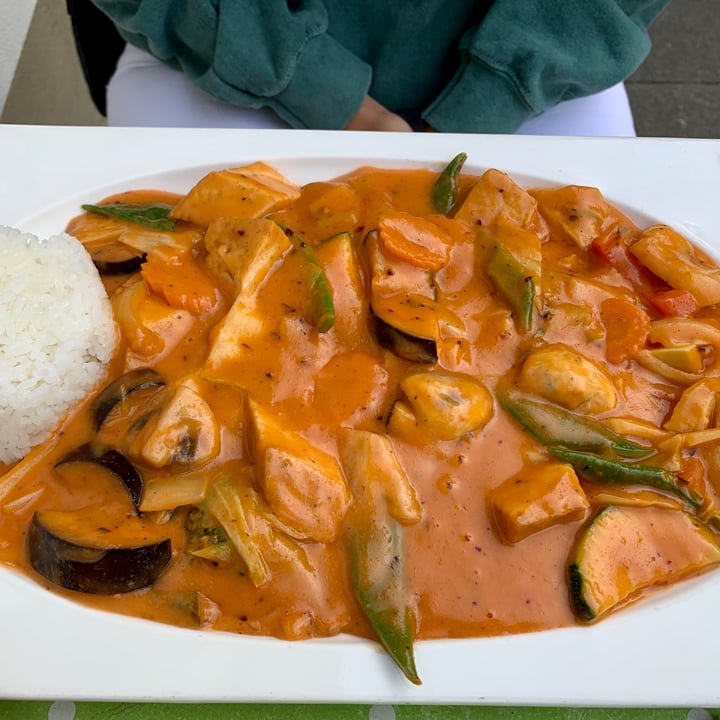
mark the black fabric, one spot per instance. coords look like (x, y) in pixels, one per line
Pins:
(99, 45)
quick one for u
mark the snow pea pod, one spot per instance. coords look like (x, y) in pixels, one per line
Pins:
(155, 216)
(444, 190)
(383, 501)
(375, 556)
(553, 425)
(604, 470)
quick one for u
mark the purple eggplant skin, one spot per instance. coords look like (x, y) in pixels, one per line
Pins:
(99, 571)
(114, 461)
(403, 345)
(121, 388)
(120, 267)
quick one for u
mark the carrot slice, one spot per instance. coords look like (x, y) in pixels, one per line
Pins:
(182, 285)
(416, 240)
(626, 329)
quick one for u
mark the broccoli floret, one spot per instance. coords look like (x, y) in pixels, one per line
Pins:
(204, 538)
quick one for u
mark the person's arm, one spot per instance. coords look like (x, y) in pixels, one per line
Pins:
(272, 53)
(526, 57)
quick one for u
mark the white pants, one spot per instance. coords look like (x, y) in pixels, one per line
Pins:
(145, 93)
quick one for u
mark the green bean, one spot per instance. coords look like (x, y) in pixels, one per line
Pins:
(603, 470)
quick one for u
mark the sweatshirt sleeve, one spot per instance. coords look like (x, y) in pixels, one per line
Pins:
(526, 57)
(273, 53)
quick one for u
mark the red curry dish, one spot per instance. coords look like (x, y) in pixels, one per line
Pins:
(401, 404)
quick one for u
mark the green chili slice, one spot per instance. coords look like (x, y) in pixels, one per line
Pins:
(444, 191)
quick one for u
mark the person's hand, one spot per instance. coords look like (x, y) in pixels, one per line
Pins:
(373, 116)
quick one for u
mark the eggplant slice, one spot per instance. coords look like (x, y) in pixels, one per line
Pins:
(408, 347)
(121, 388)
(114, 461)
(115, 262)
(82, 551)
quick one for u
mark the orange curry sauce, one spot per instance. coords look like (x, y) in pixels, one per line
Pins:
(463, 576)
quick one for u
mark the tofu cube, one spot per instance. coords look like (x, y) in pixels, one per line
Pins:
(537, 498)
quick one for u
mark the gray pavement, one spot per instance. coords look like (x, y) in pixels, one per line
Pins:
(674, 93)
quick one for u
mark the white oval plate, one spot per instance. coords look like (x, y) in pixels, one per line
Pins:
(660, 652)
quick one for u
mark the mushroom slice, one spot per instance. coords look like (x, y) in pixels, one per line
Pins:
(560, 374)
(184, 431)
(448, 405)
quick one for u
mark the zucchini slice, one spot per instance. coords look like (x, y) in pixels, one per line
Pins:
(87, 551)
(625, 550)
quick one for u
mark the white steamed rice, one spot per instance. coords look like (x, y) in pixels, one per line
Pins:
(56, 335)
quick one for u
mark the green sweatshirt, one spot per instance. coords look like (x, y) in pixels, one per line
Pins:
(460, 65)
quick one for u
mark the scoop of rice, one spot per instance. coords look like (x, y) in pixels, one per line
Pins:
(57, 334)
